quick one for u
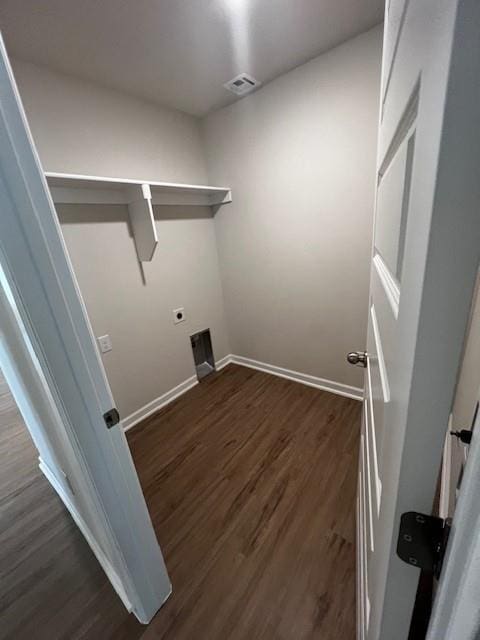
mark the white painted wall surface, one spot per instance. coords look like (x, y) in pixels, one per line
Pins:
(150, 354)
(293, 247)
(80, 127)
(295, 243)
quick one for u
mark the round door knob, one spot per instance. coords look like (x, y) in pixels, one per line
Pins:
(358, 358)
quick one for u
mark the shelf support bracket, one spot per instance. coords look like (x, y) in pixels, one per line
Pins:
(142, 221)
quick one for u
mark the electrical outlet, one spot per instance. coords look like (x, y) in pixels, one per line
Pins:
(178, 315)
(104, 343)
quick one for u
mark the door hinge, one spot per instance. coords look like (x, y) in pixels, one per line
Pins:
(111, 418)
(422, 541)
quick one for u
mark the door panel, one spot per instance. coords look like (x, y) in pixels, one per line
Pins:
(426, 239)
(370, 492)
(381, 332)
(376, 381)
(389, 210)
(364, 598)
(360, 557)
(373, 458)
(380, 387)
(392, 207)
(394, 17)
(367, 495)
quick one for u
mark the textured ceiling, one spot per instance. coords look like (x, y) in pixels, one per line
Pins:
(179, 53)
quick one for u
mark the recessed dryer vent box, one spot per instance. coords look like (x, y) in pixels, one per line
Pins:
(202, 353)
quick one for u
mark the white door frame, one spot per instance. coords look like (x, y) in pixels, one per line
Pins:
(43, 285)
(456, 611)
(24, 378)
(60, 458)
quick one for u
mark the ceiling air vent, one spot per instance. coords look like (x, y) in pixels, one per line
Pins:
(242, 84)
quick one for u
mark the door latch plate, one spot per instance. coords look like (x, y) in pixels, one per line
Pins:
(111, 418)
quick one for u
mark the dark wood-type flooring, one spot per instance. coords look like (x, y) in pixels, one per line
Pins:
(51, 585)
(250, 481)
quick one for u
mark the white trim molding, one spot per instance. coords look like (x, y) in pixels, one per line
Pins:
(85, 529)
(158, 403)
(388, 282)
(167, 397)
(356, 393)
(220, 364)
(380, 357)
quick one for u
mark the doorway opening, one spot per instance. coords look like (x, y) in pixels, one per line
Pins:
(44, 557)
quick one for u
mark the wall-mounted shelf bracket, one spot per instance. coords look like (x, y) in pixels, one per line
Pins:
(142, 221)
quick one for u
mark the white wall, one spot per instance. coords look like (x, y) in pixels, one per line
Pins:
(81, 128)
(295, 244)
(150, 354)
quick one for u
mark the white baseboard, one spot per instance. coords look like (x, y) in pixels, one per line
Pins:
(304, 378)
(156, 404)
(167, 397)
(223, 362)
(312, 381)
(84, 528)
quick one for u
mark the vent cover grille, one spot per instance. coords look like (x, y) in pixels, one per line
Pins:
(242, 84)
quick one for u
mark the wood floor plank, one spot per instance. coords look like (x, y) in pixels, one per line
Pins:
(51, 585)
(251, 482)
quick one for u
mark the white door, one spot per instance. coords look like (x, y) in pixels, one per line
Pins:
(425, 256)
(40, 278)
